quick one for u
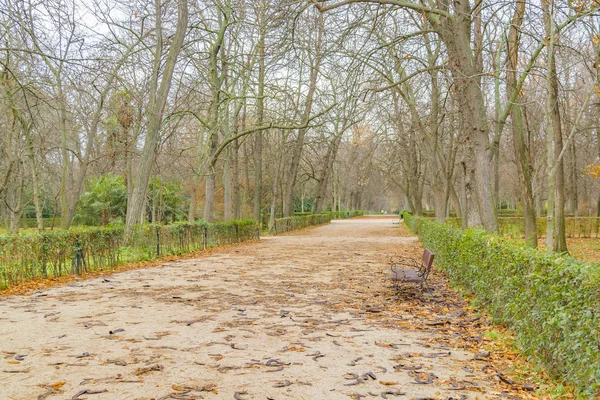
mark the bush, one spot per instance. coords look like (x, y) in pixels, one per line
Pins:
(515, 226)
(551, 301)
(103, 202)
(344, 214)
(282, 225)
(58, 253)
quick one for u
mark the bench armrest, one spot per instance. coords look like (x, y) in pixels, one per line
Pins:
(402, 259)
(404, 263)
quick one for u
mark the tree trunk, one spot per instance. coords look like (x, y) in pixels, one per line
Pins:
(518, 132)
(29, 152)
(193, 199)
(209, 203)
(227, 203)
(236, 180)
(456, 201)
(556, 185)
(573, 180)
(196, 181)
(456, 33)
(216, 83)
(325, 176)
(17, 207)
(260, 111)
(158, 97)
(276, 182)
(62, 123)
(288, 203)
(597, 104)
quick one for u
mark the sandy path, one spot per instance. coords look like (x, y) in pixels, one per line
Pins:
(290, 317)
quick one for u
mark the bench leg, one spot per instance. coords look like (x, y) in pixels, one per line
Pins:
(424, 286)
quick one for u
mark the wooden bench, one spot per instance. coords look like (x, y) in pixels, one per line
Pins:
(409, 270)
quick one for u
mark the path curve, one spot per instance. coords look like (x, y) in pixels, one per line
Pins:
(301, 316)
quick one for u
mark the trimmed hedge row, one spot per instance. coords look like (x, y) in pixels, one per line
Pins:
(282, 225)
(57, 253)
(344, 214)
(26, 223)
(551, 301)
(501, 213)
(586, 227)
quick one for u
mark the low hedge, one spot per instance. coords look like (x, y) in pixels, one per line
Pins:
(551, 301)
(344, 214)
(282, 225)
(57, 253)
(586, 227)
(287, 224)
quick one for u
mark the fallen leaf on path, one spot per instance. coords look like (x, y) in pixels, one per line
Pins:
(146, 370)
(88, 391)
(58, 385)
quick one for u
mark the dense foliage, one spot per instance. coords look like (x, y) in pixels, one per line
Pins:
(103, 202)
(58, 253)
(551, 301)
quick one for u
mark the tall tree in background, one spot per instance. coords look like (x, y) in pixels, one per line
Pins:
(518, 126)
(555, 234)
(160, 85)
(315, 60)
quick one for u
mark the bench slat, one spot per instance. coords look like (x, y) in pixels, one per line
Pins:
(402, 271)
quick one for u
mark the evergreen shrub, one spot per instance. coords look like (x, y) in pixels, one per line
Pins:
(30, 256)
(551, 301)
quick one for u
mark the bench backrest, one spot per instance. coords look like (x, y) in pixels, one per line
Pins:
(427, 261)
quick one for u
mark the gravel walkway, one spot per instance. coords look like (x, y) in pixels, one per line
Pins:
(303, 316)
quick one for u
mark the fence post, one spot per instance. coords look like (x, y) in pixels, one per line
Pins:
(44, 255)
(157, 242)
(205, 236)
(78, 257)
(237, 233)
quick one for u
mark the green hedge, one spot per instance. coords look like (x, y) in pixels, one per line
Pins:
(58, 253)
(282, 225)
(344, 214)
(551, 301)
(503, 212)
(586, 227)
(508, 226)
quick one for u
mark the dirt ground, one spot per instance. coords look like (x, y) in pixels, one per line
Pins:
(309, 315)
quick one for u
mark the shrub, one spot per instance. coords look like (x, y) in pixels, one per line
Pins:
(514, 226)
(103, 202)
(551, 301)
(287, 224)
(282, 225)
(58, 253)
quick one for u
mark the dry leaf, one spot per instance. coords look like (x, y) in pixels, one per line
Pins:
(58, 385)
